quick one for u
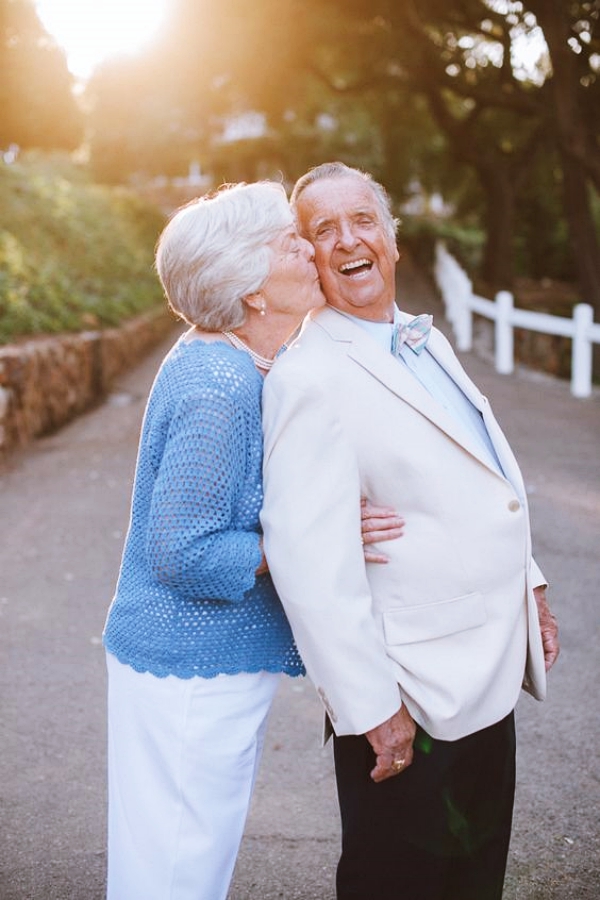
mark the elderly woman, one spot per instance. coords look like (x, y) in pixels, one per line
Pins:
(196, 638)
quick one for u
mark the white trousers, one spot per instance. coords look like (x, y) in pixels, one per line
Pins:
(182, 761)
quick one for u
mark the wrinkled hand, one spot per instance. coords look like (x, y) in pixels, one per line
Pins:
(548, 628)
(392, 742)
(379, 523)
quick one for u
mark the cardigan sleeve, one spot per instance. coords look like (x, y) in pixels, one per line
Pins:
(191, 543)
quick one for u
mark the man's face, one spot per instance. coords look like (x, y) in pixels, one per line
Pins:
(354, 253)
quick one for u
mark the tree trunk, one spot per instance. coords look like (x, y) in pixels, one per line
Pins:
(574, 127)
(498, 260)
(584, 241)
(582, 232)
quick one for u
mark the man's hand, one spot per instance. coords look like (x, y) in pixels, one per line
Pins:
(392, 742)
(548, 627)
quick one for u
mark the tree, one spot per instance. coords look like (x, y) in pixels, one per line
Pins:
(448, 95)
(457, 56)
(572, 32)
(495, 110)
(137, 123)
(36, 98)
(160, 110)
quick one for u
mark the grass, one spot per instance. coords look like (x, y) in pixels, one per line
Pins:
(74, 255)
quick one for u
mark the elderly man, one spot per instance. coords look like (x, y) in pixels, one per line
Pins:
(418, 663)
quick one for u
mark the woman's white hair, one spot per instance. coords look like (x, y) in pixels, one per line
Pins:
(214, 252)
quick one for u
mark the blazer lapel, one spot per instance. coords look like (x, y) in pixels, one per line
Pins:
(364, 351)
(444, 355)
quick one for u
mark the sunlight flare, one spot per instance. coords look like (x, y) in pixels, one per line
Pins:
(92, 31)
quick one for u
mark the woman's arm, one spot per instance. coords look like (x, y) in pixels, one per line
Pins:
(191, 544)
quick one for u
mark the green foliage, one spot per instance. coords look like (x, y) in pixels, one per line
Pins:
(73, 255)
(464, 242)
(542, 242)
(461, 99)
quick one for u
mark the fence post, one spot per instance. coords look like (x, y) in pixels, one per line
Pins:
(581, 351)
(456, 290)
(504, 333)
(464, 337)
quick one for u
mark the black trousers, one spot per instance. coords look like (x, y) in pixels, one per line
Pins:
(439, 830)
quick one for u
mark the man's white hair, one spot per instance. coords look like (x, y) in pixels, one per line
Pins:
(341, 170)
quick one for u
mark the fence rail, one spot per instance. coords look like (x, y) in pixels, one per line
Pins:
(461, 303)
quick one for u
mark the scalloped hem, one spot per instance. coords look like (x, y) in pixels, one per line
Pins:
(163, 672)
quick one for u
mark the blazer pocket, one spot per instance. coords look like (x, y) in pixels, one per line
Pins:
(428, 621)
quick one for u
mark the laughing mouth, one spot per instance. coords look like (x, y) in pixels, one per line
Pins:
(356, 267)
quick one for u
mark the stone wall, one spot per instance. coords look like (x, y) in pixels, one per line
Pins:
(45, 382)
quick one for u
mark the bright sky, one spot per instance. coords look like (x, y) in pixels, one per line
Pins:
(91, 30)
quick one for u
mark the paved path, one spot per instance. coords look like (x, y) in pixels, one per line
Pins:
(63, 513)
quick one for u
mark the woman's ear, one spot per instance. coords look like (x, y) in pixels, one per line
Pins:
(256, 302)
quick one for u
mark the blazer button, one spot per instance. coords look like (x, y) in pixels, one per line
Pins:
(514, 506)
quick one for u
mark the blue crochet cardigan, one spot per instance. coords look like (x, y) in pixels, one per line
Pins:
(187, 600)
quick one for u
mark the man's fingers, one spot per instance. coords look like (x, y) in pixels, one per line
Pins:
(551, 648)
(388, 767)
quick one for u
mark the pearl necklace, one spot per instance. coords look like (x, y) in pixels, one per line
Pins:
(261, 362)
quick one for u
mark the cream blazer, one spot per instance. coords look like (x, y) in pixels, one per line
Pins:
(450, 621)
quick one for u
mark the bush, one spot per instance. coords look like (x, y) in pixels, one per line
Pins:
(420, 235)
(73, 255)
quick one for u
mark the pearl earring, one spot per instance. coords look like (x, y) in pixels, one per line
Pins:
(263, 310)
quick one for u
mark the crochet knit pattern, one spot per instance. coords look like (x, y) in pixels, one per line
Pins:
(187, 600)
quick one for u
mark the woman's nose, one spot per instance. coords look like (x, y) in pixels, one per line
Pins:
(308, 249)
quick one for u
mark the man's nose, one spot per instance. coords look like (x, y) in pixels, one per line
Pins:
(346, 236)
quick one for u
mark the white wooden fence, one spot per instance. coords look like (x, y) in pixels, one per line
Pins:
(460, 302)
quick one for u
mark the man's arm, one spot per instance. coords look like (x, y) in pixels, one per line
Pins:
(311, 521)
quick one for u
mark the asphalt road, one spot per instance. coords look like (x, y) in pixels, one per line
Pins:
(63, 514)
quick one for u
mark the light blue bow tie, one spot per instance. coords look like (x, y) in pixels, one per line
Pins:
(414, 334)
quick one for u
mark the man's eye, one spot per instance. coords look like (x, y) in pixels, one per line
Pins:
(324, 231)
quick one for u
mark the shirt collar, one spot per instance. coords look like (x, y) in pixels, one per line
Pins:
(379, 331)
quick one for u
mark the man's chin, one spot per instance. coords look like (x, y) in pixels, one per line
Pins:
(375, 309)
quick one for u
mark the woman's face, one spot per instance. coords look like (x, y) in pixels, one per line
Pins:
(292, 286)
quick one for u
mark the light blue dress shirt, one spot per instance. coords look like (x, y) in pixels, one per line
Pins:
(439, 384)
